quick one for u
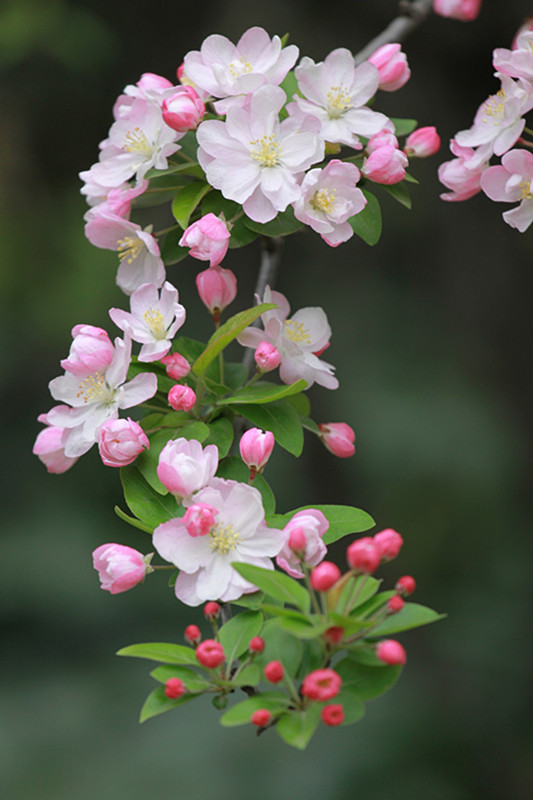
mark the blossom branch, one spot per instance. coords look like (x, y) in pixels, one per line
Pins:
(412, 14)
(268, 270)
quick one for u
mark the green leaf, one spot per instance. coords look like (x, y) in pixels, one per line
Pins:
(240, 714)
(290, 85)
(186, 201)
(366, 682)
(161, 190)
(131, 520)
(294, 622)
(403, 127)
(275, 584)
(310, 425)
(171, 252)
(157, 703)
(148, 505)
(284, 224)
(297, 727)
(280, 418)
(164, 383)
(234, 469)
(367, 224)
(235, 635)
(161, 651)
(400, 193)
(214, 203)
(410, 179)
(343, 520)
(263, 392)
(193, 681)
(254, 600)
(412, 615)
(189, 348)
(367, 608)
(354, 709)
(226, 334)
(189, 145)
(280, 645)
(250, 676)
(221, 434)
(300, 403)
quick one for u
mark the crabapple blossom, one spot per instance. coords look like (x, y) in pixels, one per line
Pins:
(325, 576)
(207, 238)
(174, 688)
(335, 92)
(239, 535)
(267, 357)
(256, 448)
(120, 567)
(517, 62)
(526, 26)
(329, 198)
(154, 319)
(333, 714)
(462, 174)
(217, 288)
(314, 525)
(321, 684)
(184, 110)
(274, 671)
(464, 10)
(339, 438)
(389, 543)
(91, 350)
(210, 654)
(256, 160)
(120, 441)
(181, 398)
(512, 182)
(297, 339)
(391, 652)
(176, 366)
(50, 449)
(392, 66)
(422, 143)
(364, 555)
(385, 164)
(185, 466)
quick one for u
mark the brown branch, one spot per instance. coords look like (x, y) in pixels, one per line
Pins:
(412, 14)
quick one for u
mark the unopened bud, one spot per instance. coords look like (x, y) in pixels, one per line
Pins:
(267, 357)
(192, 634)
(174, 688)
(261, 717)
(339, 438)
(176, 365)
(364, 555)
(199, 520)
(389, 543)
(325, 576)
(391, 652)
(405, 585)
(395, 604)
(255, 447)
(181, 398)
(273, 671)
(211, 610)
(257, 644)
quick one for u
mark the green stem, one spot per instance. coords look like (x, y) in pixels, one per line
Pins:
(166, 230)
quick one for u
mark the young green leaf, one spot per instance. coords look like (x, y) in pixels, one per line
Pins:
(276, 584)
(263, 392)
(402, 127)
(280, 418)
(280, 645)
(148, 505)
(400, 192)
(157, 703)
(297, 727)
(221, 434)
(241, 713)
(194, 682)
(132, 521)
(161, 651)
(186, 201)
(366, 682)
(235, 635)
(412, 615)
(367, 224)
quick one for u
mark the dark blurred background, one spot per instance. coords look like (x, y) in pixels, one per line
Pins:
(431, 338)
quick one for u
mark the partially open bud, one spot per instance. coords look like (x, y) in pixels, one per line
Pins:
(120, 567)
(91, 351)
(208, 239)
(391, 652)
(256, 447)
(297, 541)
(464, 10)
(325, 576)
(120, 441)
(364, 555)
(193, 634)
(267, 357)
(333, 714)
(181, 398)
(176, 365)
(389, 543)
(392, 66)
(174, 688)
(199, 519)
(217, 288)
(385, 165)
(184, 110)
(321, 684)
(422, 143)
(339, 438)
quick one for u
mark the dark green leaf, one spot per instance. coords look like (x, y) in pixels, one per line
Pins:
(280, 645)
(366, 682)
(234, 469)
(403, 127)
(250, 676)
(189, 348)
(193, 681)
(280, 418)
(171, 252)
(186, 200)
(367, 224)
(400, 193)
(132, 521)
(276, 584)
(412, 615)
(157, 703)
(284, 224)
(297, 727)
(294, 622)
(188, 145)
(300, 403)
(161, 651)
(221, 434)
(263, 392)
(368, 607)
(240, 714)
(235, 635)
(148, 505)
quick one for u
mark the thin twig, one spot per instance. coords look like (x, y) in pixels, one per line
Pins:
(268, 271)
(412, 13)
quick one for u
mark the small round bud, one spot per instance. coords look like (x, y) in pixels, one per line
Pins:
(389, 543)
(261, 717)
(325, 576)
(422, 143)
(395, 604)
(192, 634)
(211, 611)
(220, 701)
(257, 645)
(297, 540)
(176, 365)
(181, 398)
(334, 635)
(405, 585)
(273, 671)
(333, 714)
(267, 357)
(174, 688)
(217, 288)
(391, 652)
(321, 684)
(364, 555)
(210, 654)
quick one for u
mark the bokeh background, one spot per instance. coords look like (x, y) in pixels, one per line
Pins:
(431, 341)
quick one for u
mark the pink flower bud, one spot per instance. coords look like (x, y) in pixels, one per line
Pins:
(49, 449)
(208, 239)
(174, 688)
(120, 441)
(211, 610)
(385, 165)
(119, 567)
(181, 398)
(321, 684)
(314, 525)
(217, 288)
(257, 644)
(364, 555)
(199, 519)
(389, 543)
(391, 652)
(395, 604)
(297, 541)
(261, 717)
(422, 143)
(325, 576)
(256, 446)
(273, 671)
(193, 634)
(392, 66)
(91, 351)
(384, 137)
(339, 438)
(176, 365)
(184, 110)
(334, 635)
(150, 80)
(405, 585)
(333, 714)
(464, 10)
(267, 357)
(210, 654)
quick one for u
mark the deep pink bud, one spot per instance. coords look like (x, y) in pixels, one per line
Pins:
(405, 585)
(334, 635)
(181, 398)
(385, 165)
(256, 446)
(267, 357)
(261, 717)
(211, 610)
(193, 634)
(464, 10)
(391, 652)
(395, 604)
(184, 110)
(422, 143)
(321, 684)
(325, 576)
(90, 351)
(210, 654)
(364, 555)
(257, 645)
(389, 543)
(339, 438)
(119, 567)
(273, 671)
(208, 239)
(174, 688)
(176, 365)
(199, 520)
(333, 714)
(120, 441)
(297, 540)
(217, 288)
(392, 66)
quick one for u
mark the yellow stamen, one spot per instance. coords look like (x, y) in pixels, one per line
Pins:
(495, 107)
(296, 332)
(93, 389)
(241, 66)
(129, 248)
(339, 101)
(267, 151)
(224, 538)
(525, 188)
(154, 320)
(324, 200)
(135, 141)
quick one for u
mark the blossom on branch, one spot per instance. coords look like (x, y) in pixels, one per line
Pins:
(512, 182)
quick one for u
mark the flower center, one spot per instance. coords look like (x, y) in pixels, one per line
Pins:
(296, 332)
(129, 248)
(94, 389)
(339, 101)
(525, 188)
(135, 141)
(154, 320)
(267, 151)
(324, 200)
(495, 107)
(224, 538)
(240, 66)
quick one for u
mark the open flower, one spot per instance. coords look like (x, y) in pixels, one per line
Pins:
(313, 525)
(512, 182)
(185, 466)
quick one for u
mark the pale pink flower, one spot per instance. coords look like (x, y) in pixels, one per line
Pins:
(524, 28)
(339, 438)
(512, 182)
(297, 339)
(518, 62)
(382, 138)
(91, 350)
(50, 449)
(184, 110)
(392, 66)
(185, 466)
(120, 567)
(385, 164)
(217, 288)
(422, 143)
(208, 239)
(463, 180)
(154, 319)
(120, 441)
(256, 448)
(256, 160)
(329, 198)
(239, 535)
(464, 10)
(313, 524)
(335, 91)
